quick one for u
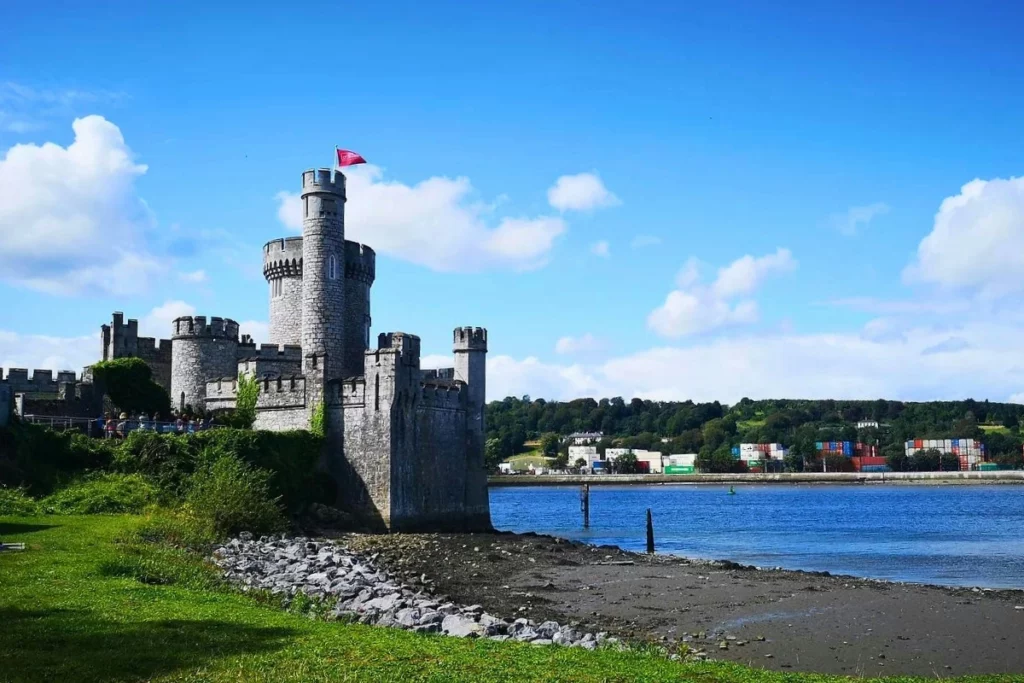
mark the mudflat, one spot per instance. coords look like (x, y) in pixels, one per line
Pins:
(774, 619)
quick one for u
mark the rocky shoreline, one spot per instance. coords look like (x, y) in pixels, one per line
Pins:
(364, 592)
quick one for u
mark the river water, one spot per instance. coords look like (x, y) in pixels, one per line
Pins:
(947, 535)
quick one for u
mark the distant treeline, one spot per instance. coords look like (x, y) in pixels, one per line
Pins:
(709, 427)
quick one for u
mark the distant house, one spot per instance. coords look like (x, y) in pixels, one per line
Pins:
(505, 467)
(584, 438)
(865, 424)
(585, 453)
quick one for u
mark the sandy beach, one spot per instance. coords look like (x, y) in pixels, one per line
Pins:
(782, 620)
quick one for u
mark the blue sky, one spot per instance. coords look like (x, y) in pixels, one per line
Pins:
(782, 195)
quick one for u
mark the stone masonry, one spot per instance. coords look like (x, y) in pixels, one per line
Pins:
(403, 445)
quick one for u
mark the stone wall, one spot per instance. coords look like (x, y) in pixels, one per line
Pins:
(199, 352)
(282, 261)
(323, 264)
(6, 404)
(222, 393)
(158, 356)
(281, 403)
(41, 384)
(360, 271)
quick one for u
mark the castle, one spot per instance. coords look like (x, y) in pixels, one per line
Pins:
(404, 445)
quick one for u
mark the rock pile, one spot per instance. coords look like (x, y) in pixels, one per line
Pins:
(363, 592)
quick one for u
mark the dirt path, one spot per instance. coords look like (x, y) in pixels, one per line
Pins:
(772, 619)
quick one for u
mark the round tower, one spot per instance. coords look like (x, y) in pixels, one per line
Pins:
(360, 271)
(323, 265)
(282, 267)
(200, 351)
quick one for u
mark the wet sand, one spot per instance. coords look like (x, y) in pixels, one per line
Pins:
(782, 620)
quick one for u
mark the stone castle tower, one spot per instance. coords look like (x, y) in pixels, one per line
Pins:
(405, 446)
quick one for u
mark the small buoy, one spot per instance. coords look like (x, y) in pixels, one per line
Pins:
(732, 491)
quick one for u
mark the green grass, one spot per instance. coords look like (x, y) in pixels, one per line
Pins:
(523, 461)
(79, 606)
(998, 429)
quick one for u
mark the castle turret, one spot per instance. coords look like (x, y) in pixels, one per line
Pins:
(200, 351)
(323, 264)
(282, 267)
(360, 271)
(470, 347)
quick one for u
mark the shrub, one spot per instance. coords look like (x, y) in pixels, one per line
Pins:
(103, 493)
(40, 460)
(228, 495)
(16, 503)
(129, 384)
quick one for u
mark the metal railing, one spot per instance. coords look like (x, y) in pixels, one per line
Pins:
(98, 427)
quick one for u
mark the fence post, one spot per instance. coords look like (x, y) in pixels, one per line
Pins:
(650, 532)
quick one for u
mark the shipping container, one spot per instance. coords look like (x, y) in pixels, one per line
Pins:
(875, 468)
(679, 469)
(918, 443)
(735, 450)
(847, 448)
(817, 445)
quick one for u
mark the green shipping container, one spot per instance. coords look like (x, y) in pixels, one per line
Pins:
(754, 463)
(679, 469)
(988, 466)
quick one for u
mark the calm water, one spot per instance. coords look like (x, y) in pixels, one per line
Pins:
(951, 535)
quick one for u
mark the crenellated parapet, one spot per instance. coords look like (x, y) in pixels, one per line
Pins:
(470, 339)
(443, 395)
(282, 258)
(360, 262)
(321, 180)
(347, 393)
(437, 373)
(408, 345)
(278, 392)
(248, 350)
(197, 326)
(40, 382)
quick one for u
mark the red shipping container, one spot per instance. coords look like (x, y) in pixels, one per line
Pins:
(918, 443)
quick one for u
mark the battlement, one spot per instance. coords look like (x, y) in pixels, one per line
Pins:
(360, 262)
(197, 326)
(280, 391)
(247, 350)
(282, 258)
(470, 339)
(153, 348)
(437, 374)
(443, 395)
(349, 393)
(408, 345)
(321, 181)
(41, 382)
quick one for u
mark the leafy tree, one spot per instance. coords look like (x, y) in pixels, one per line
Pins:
(129, 384)
(626, 464)
(561, 461)
(580, 463)
(549, 444)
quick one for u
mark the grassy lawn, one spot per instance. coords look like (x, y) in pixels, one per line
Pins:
(522, 462)
(64, 617)
(989, 429)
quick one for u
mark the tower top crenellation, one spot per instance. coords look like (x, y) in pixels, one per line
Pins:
(322, 181)
(197, 326)
(470, 339)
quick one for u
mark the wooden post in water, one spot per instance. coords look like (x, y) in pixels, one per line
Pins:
(650, 533)
(585, 505)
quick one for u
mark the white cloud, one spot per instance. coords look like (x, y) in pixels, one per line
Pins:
(581, 344)
(32, 351)
(70, 219)
(433, 361)
(289, 210)
(435, 223)
(745, 274)
(693, 308)
(1016, 398)
(979, 360)
(851, 221)
(977, 240)
(157, 323)
(580, 192)
(259, 330)
(600, 248)
(641, 241)
(195, 277)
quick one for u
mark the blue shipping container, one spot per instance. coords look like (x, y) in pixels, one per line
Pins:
(955, 442)
(598, 465)
(735, 450)
(875, 468)
(847, 448)
(817, 445)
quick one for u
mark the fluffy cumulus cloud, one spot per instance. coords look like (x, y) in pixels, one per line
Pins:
(854, 219)
(977, 360)
(60, 203)
(580, 192)
(44, 352)
(601, 248)
(693, 307)
(582, 344)
(436, 223)
(977, 240)
(259, 330)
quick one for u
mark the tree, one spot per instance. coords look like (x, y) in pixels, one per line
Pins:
(549, 444)
(580, 463)
(561, 461)
(492, 453)
(626, 464)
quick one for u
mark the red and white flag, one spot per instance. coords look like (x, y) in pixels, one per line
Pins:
(348, 158)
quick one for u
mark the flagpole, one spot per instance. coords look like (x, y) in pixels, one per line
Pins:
(334, 164)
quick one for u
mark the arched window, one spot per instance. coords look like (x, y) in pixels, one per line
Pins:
(332, 267)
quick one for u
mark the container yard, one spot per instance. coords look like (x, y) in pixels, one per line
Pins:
(969, 452)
